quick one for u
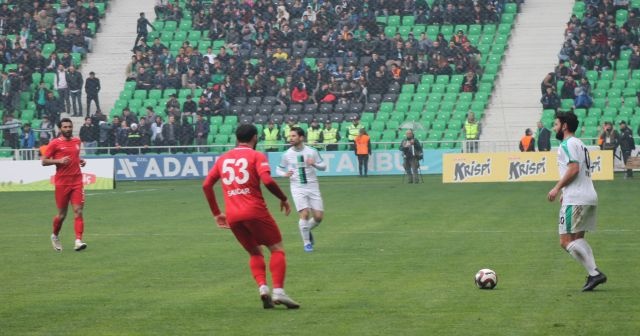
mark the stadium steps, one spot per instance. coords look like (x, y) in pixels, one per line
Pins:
(532, 52)
(112, 50)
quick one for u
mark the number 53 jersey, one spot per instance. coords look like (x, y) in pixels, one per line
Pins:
(239, 171)
(580, 191)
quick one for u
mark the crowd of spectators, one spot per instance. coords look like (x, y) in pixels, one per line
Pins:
(305, 52)
(28, 30)
(593, 42)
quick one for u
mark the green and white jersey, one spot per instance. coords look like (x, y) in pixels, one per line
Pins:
(580, 191)
(294, 160)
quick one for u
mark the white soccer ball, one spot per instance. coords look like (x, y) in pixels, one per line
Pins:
(486, 279)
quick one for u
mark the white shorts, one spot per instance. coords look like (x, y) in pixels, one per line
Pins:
(307, 198)
(577, 218)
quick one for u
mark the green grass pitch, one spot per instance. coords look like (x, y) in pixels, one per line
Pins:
(390, 259)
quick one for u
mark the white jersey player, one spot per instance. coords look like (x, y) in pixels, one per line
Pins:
(299, 164)
(579, 198)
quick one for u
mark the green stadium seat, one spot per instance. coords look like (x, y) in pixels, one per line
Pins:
(401, 107)
(381, 116)
(408, 20)
(393, 20)
(390, 31)
(408, 88)
(405, 97)
(474, 30)
(510, 8)
(489, 29)
(416, 106)
(432, 31)
(507, 18)
(170, 26)
(418, 29)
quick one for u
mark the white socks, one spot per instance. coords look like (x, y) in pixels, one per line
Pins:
(305, 229)
(306, 225)
(581, 251)
(278, 291)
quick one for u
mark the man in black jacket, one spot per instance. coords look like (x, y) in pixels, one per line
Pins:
(75, 82)
(544, 138)
(412, 154)
(89, 136)
(627, 144)
(91, 88)
(141, 29)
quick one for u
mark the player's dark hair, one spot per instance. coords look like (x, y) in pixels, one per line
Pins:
(246, 132)
(64, 120)
(298, 131)
(570, 119)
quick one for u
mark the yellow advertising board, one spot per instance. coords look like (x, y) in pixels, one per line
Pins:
(516, 167)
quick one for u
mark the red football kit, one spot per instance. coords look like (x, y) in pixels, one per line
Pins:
(68, 180)
(241, 170)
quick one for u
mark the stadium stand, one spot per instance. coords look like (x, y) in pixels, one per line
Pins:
(598, 74)
(419, 64)
(35, 39)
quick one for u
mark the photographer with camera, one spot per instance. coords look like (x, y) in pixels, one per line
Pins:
(412, 154)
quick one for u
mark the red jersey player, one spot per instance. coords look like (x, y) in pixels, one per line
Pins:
(64, 152)
(241, 170)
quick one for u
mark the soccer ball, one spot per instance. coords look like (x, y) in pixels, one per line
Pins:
(486, 279)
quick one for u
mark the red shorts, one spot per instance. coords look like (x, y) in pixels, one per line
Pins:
(255, 232)
(69, 193)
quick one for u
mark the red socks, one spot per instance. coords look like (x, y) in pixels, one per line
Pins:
(258, 269)
(78, 226)
(278, 268)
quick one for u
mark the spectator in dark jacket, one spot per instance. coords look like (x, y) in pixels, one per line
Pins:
(627, 145)
(550, 100)
(544, 138)
(92, 88)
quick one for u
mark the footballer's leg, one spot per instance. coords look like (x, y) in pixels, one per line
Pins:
(574, 221)
(317, 212)
(278, 267)
(77, 202)
(305, 229)
(62, 203)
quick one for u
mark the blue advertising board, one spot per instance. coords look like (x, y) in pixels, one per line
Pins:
(163, 167)
(339, 163)
(381, 162)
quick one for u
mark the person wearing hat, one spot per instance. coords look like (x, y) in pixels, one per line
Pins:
(314, 134)
(353, 131)
(527, 142)
(270, 137)
(134, 139)
(329, 136)
(286, 128)
(609, 137)
(627, 145)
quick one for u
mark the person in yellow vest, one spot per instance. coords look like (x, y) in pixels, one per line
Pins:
(363, 151)
(354, 130)
(313, 134)
(330, 136)
(471, 131)
(527, 142)
(270, 137)
(286, 128)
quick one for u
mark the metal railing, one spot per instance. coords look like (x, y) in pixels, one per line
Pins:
(480, 146)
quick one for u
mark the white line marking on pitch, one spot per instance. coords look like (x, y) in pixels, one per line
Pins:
(120, 192)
